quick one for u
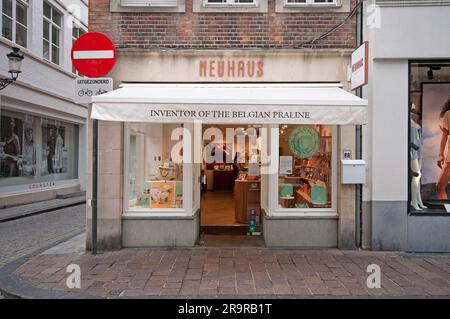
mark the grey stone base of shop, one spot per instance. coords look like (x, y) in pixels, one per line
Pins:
(393, 228)
(300, 232)
(159, 231)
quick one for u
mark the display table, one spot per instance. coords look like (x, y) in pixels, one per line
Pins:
(247, 196)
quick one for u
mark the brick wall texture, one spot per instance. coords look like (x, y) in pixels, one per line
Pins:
(190, 30)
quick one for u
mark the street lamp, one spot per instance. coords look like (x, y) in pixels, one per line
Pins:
(15, 64)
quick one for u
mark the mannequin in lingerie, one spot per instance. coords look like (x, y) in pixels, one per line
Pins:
(416, 160)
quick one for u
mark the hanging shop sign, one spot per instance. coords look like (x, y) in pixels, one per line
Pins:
(86, 88)
(93, 54)
(359, 67)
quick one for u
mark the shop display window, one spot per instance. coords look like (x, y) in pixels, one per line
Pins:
(155, 179)
(429, 126)
(305, 167)
(36, 151)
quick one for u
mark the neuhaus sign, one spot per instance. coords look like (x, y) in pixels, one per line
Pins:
(231, 68)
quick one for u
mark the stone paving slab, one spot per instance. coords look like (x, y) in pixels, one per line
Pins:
(16, 212)
(240, 272)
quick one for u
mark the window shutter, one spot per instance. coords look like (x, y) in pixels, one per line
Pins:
(148, 3)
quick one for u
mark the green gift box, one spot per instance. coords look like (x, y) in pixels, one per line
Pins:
(286, 190)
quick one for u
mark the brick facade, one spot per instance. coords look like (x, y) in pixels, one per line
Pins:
(190, 30)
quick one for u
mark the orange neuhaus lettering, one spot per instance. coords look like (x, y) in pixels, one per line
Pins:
(241, 69)
(202, 68)
(212, 68)
(260, 71)
(220, 68)
(230, 68)
(251, 68)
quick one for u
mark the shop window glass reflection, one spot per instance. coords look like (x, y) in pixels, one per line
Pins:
(305, 175)
(36, 150)
(155, 179)
(429, 112)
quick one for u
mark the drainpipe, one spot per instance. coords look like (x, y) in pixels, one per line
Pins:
(358, 142)
(94, 185)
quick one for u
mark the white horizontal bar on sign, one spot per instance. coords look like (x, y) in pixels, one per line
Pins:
(93, 54)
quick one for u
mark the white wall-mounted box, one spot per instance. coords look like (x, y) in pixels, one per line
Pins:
(353, 171)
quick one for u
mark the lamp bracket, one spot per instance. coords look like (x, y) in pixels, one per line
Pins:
(4, 83)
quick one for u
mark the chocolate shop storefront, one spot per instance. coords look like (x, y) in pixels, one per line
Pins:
(249, 147)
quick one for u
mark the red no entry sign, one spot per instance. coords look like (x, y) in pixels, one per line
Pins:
(93, 54)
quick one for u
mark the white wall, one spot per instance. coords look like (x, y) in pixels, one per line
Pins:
(389, 130)
(44, 88)
(41, 75)
(419, 32)
(396, 35)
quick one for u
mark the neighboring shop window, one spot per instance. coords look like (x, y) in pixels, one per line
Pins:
(77, 31)
(305, 171)
(15, 21)
(52, 33)
(429, 136)
(155, 179)
(34, 150)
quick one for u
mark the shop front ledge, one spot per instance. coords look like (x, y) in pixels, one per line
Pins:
(158, 216)
(297, 216)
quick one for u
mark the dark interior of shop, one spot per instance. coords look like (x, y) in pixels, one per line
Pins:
(230, 204)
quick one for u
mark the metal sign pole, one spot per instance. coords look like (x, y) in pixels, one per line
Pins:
(94, 184)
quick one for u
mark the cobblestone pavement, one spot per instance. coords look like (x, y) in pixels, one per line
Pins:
(23, 236)
(241, 272)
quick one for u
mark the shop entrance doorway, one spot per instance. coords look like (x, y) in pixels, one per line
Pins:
(231, 189)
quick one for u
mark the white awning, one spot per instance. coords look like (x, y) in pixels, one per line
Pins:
(231, 103)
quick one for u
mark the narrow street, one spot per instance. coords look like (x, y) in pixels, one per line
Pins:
(23, 236)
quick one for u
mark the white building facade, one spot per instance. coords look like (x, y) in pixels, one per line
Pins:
(409, 75)
(43, 131)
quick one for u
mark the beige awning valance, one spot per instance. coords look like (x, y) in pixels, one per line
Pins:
(231, 103)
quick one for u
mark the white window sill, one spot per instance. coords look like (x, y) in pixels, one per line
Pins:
(303, 213)
(157, 214)
(259, 6)
(341, 6)
(230, 5)
(180, 7)
(312, 5)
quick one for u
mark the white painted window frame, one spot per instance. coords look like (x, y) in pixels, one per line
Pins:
(79, 26)
(229, 3)
(313, 3)
(61, 34)
(273, 182)
(14, 21)
(188, 194)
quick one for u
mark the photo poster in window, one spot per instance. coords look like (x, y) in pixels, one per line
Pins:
(286, 165)
(11, 141)
(162, 194)
(54, 153)
(29, 149)
(433, 99)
